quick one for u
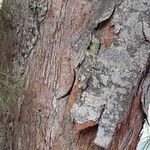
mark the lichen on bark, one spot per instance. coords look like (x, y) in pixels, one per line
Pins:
(27, 30)
(119, 66)
(56, 53)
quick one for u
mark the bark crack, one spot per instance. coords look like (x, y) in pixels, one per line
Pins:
(146, 36)
(103, 22)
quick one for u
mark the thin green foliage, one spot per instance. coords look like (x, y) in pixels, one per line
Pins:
(11, 84)
(94, 46)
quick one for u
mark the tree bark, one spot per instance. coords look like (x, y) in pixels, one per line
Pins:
(84, 66)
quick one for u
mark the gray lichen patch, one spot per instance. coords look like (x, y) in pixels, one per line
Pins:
(124, 60)
(112, 73)
(32, 29)
(88, 108)
(28, 30)
(89, 105)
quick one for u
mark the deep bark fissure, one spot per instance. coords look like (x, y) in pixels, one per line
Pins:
(104, 23)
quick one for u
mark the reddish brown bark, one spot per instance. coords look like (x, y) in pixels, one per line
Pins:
(44, 121)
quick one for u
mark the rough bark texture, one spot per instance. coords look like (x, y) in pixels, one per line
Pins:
(82, 61)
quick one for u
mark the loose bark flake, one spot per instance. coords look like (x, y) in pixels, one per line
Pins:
(119, 65)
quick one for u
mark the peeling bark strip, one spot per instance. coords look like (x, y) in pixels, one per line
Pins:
(55, 36)
(117, 69)
(127, 132)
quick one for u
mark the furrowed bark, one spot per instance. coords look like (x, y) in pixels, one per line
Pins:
(81, 60)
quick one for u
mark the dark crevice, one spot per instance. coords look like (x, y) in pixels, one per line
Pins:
(102, 24)
(80, 64)
(103, 109)
(86, 136)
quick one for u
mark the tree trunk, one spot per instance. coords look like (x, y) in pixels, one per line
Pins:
(84, 63)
